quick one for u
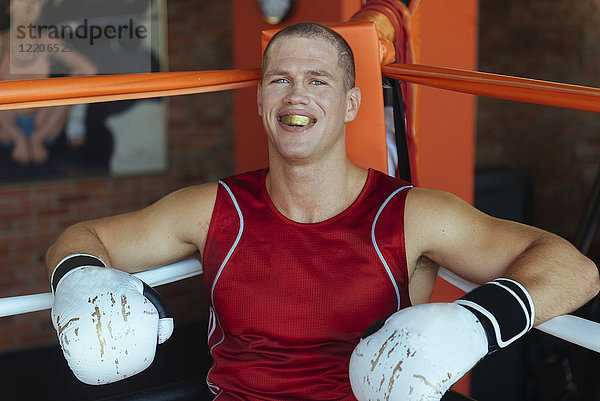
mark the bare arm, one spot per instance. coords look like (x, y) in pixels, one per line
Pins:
(169, 230)
(9, 131)
(480, 248)
(50, 122)
(77, 62)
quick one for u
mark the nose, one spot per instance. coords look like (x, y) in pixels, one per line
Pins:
(297, 94)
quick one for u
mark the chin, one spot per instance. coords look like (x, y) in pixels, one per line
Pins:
(293, 155)
(297, 157)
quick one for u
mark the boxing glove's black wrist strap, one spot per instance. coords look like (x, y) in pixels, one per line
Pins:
(504, 308)
(71, 262)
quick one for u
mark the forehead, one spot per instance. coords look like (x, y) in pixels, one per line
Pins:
(296, 52)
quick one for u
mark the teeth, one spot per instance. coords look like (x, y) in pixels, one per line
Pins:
(297, 120)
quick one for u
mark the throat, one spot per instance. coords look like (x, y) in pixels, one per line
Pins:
(314, 200)
(310, 213)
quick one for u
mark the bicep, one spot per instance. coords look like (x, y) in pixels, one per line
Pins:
(164, 232)
(457, 236)
(77, 62)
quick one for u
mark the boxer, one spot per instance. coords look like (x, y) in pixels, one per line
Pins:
(301, 257)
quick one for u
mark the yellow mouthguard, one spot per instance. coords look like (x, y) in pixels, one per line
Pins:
(294, 119)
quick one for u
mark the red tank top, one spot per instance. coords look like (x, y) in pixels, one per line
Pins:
(289, 301)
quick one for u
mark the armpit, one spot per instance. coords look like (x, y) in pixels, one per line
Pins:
(422, 281)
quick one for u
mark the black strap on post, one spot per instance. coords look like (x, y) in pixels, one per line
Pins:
(392, 86)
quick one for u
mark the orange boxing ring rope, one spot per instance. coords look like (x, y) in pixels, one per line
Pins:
(103, 88)
(499, 86)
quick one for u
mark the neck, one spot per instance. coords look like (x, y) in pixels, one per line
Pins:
(312, 193)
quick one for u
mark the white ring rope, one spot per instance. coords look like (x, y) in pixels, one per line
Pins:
(155, 277)
(576, 330)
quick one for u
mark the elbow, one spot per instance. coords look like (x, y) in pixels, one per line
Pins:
(591, 280)
(50, 260)
(68, 242)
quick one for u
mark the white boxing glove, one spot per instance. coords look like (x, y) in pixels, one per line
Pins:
(421, 351)
(108, 322)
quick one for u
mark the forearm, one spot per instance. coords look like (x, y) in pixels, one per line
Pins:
(79, 238)
(557, 276)
(76, 62)
(50, 122)
(9, 132)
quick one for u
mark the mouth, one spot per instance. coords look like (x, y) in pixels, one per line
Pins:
(295, 120)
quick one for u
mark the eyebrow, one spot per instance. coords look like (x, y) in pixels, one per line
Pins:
(317, 73)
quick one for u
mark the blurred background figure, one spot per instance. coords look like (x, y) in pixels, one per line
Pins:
(24, 54)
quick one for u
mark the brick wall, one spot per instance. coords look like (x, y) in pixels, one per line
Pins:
(549, 40)
(200, 144)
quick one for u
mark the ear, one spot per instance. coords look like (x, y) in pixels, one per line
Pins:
(259, 98)
(353, 98)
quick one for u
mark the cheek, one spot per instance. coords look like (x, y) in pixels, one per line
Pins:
(326, 102)
(267, 98)
(334, 107)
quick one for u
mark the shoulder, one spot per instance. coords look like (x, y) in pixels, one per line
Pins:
(383, 179)
(425, 202)
(199, 198)
(48, 41)
(249, 178)
(384, 188)
(186, 212)
(433, 216)
(184, 206)
(197, 192)
(244, 186)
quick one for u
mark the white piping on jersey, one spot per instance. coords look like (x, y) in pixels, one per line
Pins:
(212, 290)
(385, 265)
(212, 326)
(212, 322)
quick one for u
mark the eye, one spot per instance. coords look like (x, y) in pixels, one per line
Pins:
(279, 81)
(318, 82)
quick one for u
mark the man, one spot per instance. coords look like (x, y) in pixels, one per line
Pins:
(299, 259)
